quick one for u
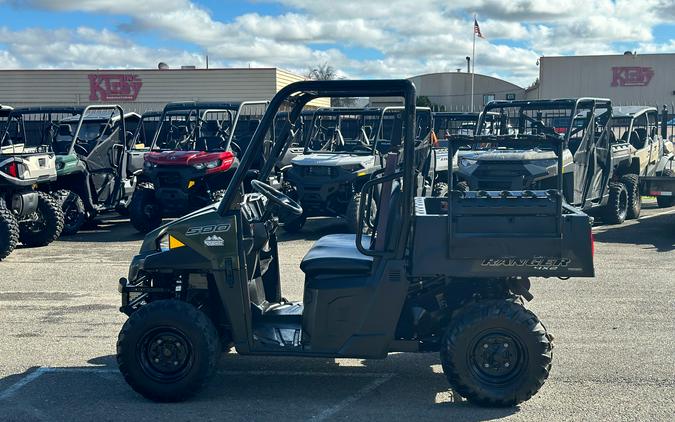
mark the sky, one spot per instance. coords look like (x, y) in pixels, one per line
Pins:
(360, 39)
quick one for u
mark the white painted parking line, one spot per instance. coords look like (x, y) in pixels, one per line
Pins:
(327, 413)
(656, 215)
(14, 388)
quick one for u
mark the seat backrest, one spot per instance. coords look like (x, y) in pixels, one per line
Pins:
(635, 139)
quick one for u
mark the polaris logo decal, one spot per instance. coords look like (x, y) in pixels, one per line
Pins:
(214, 241)
(538, 263)
(212, 228)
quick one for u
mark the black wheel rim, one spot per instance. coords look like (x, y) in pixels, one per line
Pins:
(37, 223)
(70, 212)
(497, 357)
(623, 204)
(165, 354)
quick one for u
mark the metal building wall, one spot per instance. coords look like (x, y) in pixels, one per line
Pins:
(139, 90)
(642, 79)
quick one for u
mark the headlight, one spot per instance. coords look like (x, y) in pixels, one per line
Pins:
(168, 242)
(467, 162)
(353, 167)
(208, 165)
(545, 163)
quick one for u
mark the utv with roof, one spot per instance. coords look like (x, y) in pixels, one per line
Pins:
(344, 148)
(191, 159)
(28, 216)
(437, 274)
(591, 155)
(91, 163)
(638, 127)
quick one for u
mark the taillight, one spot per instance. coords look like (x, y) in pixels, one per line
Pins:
(592, 245)
(12, 169)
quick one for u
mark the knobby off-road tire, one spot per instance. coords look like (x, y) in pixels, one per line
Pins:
(48, 224)
(440, 189)
(496, 353)
(617, 205)
(9, 231)
(632, 184)
(167, 350)
(352, 215)
(295, 224)
(462, 186)
(666, 201)
(144, 212)
(74, 213)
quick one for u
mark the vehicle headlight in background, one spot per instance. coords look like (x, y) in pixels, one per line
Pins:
(545, 163)
(467, 162)
(208, 165)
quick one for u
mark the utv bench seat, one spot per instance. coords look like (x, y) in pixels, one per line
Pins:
(337, 254)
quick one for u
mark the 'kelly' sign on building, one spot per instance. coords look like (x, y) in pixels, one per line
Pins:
(114, 87)
(631, 76)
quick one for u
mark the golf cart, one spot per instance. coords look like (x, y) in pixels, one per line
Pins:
(344, 148)
(438, 274)
(638, 127)
(91, 162)
(591, 156)
(26, 161)
(191, 158)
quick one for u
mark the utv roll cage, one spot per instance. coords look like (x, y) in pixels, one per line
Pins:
(45, 125)
(199, 111)
(301, 93)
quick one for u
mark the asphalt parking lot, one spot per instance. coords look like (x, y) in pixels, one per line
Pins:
(613, 359)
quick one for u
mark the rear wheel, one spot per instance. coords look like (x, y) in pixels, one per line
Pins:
(632, 184)
(496, 353)
(666, 201)
(9, 231)
(74, 214)
(144, 212)
(167, 350)
(617, 205)
(43, 226)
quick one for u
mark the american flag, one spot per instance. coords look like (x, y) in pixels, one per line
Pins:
(476, 28)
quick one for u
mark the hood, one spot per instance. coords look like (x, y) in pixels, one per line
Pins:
(212, 162)
(333, 160)
(511, 155)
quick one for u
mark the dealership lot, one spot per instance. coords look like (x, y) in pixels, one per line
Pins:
(614, 341)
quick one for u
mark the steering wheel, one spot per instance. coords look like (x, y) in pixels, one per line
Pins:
(236, 149)
(276, 197)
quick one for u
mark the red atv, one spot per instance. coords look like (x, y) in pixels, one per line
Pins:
(193, 154)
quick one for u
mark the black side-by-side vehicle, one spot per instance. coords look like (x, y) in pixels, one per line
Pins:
(438, 274)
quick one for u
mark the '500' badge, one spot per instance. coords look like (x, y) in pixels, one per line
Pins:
(213, 228)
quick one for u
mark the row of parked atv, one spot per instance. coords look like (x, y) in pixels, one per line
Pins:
(61, 167)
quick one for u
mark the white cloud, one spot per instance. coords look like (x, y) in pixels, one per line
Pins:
(404, 37)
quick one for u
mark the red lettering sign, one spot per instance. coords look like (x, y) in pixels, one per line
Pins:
(114, 87)
(631, 76)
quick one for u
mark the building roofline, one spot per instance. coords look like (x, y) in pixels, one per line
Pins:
(467, 74)
(606, 55)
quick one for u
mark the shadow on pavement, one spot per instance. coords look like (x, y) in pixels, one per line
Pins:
(401, 387)
(657, 231)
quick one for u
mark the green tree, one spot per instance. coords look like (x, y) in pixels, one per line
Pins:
(326, 72)
(424, 101)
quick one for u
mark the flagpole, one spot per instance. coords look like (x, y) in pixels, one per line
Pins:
(473, 60)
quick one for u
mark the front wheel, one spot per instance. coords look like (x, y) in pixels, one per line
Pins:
(144, 212)
(9, 231)
(44, 225)
(496, 353)
(167, 350)
(440, 189)
(352, 215)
